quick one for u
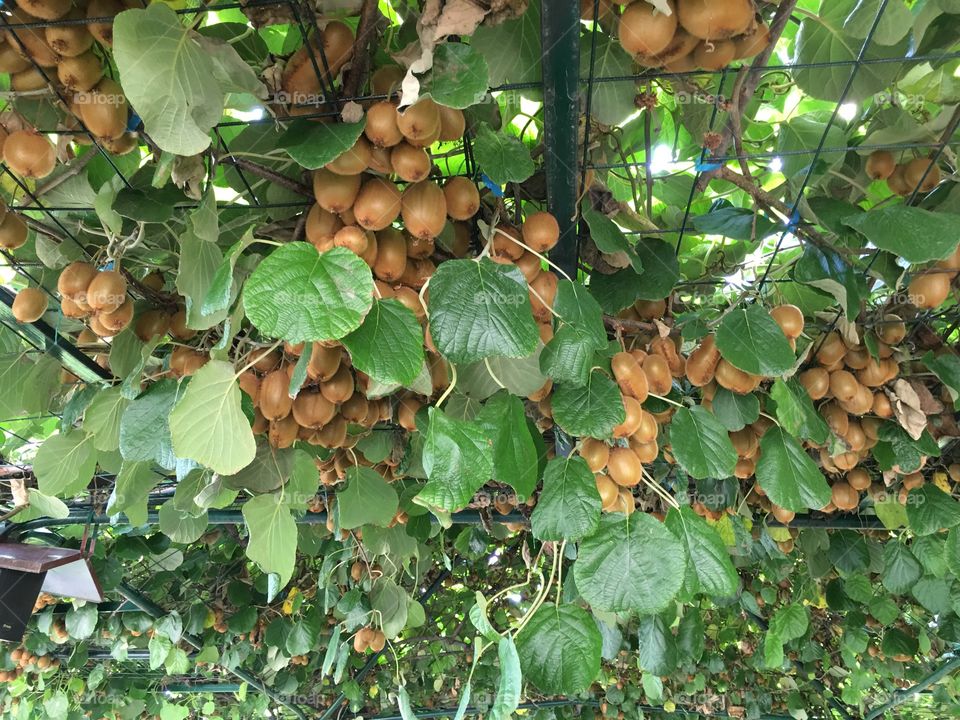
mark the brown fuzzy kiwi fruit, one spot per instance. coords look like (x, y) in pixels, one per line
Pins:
(417, 273)
(324, 362)
(335, 193)
(69, 40)
(104, 109)
(816, 381)
(624, 467)
(380, 160)
(644, 30)
(543, 291)
(107, 291)
(530, 266)
(27, 80)
(681, 46)
(29, 305)
(633, 419)
(340, 387)
(353, 238)
(659, 377)
(596, 453)
(178, 326)
(151, 324)
(714, 54)
(715, 19)
(103, 31)
(734, 379)
(13, 231)
(891, 329)
(29, 154)
(119, 319)
(321, 226)
(702, 363)
(46, 9)
(29, 42)
(354, 161)
(283, 433)
(386, 79)
(313, 410)
(126, 143)
(507, 242)
(540, 232)
(880, 165)
(789, 318)
(391, 255)
(420, 121)
(463, 198)
(424, 210)
(922, 173)
(452, 124)
(609, 491)
(753, 42)
(630, 377)
(844, 497)
(843, 385)
(11, 61)
(377, 204)
(897, 182)
(381, 128)
(75, 278)
(409, 163)
(275, 400)
(929, 290)
(80, 73)
(301, 77)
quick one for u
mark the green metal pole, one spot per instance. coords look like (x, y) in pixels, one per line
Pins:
(560, 38)
(155, 611)
(903, 696)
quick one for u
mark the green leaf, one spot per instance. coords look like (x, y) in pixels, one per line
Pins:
(661, 271)
(578, 311)
(788, 475)
(515, 461)
(900, 568)
(480, 309)
(789, 622)
(207, 424)
(145, 427)
(501, 157)
(179, 525)
(458, 460)
(512, 48)
(175, 79)
(657, 647)
(520, 376)
(392, 602)
(705, 551)
(630, 564)
(302, 638)
(301, 295)
(947, 368)
(824, 40)
(897, 227)
(735, 411)
(736, 223)
(930, 509)
(701, 444)
(199, 261)
(313, 144)
(749, 339)
(609, 238)
(219, 294)
(40, 505)
(388, 346)
(102, 418)
(81, 621)
(559, 649)
(569, 504)
(459, 77)
(612, 102)
(508, 691)
(892, 514)
(367, 499)
(133, 485)
(592, 410)
(568, 357)
(826, 270)
(952, 551)
(796, 412)
(65, 463)
(893, 26)
(801, 134)
(273, 535)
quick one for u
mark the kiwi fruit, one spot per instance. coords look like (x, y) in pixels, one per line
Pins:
(312, 410)
(540, 232)
(28, 80)
(417, 272)
(324, 362)
(507, 242)
(633, 419)
(530, 266)
(11, 61)
(118, 319)
(843, 385)
(816, 381)
(340, 387)
(353, 238)
(29, 42)
(452, 124)
(714, 54)
(321, 226)
(595, 453)
(380, 160)
(753, 42)
(897, 182)
(880, 165)
(151, 324)
(104, 110)
(300, 76)
(420, 122)
(543, 291)
(646, 31)
(715, 19)
(377, 204)
(178, 326)
(790, 320)
(409, 163)
(657, 371)
(702, 363)
(381, 128)
(29, 154)
(844, 497)
(103, 31)
(75, 278)
(13, 231)
(69, 40)
(462, 197)
(335, 193)
(355, 409)
(354, 161)
(782, 515)
(424, 209)
(391, 255)
(46, 9)
(126, 143)
(832, 350)
(734, 379)
(337, 45)
(387, 79)
(681, 45)
(80, 73)
(275, 400)
(629, 376)
(921, 170)
(29, 305)
(929, 290)
(283, 433)
(624, 467)
(107, 291)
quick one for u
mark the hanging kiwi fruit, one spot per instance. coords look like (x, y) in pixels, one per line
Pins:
(104, 110)
(29, 305)
(424, 210)
(29, 154)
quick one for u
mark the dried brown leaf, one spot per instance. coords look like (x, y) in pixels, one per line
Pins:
(906, 407)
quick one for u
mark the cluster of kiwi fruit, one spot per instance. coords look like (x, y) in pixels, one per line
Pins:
(697, 34)
(98, 296)
(921, 174)
(369, 638)
(930, 287)
(305, 71)
(71, 50)
(26, 662)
